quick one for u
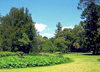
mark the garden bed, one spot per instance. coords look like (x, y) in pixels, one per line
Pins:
(30, 61)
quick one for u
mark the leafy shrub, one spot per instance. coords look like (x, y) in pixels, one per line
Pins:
(30, 61)
(33, 53)
(4, 54)
(48, 46)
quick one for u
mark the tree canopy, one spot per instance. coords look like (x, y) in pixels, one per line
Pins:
(91, 14)
(17, 31)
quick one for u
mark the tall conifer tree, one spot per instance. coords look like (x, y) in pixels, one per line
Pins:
(91, 14)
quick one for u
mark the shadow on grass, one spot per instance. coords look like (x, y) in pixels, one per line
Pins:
(98, 60)
(92, 54)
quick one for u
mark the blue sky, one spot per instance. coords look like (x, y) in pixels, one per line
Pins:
(47, 13)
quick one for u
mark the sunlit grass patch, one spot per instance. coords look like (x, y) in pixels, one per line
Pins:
(82, 63)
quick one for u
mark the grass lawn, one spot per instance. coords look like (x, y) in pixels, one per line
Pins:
(82, 63)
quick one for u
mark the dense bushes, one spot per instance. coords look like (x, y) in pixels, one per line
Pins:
(33, 54)
(48, 46)
(4, 54)
(17, 31)
(30, 61)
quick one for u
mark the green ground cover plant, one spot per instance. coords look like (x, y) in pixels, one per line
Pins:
(83, 62)
(30, 61)
(6, 53)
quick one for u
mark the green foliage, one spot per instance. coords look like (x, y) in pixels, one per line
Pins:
(59, 42)
(59, 28)
(46, 38)
(24, 41)
(5, 54)
(76, 45)
(84, 3)
(80, 34)
(52, 39)
(17, 31)
(69, 36)
(68, 44)
(0, 18)
(39, 40)
(33, 53)
(83, 62)
(30, 61)
(48, 46)
(91, 14)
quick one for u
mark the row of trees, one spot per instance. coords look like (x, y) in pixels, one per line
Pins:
(66, 40)
(18, 33)
(86, 35)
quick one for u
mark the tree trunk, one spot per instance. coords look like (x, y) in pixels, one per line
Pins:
(94, 50)
(97, 51)
(67, 49)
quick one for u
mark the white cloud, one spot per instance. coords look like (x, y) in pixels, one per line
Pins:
(55, 33)
(40, 27)
(47, 34)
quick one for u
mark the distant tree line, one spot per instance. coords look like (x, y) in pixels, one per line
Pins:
(84, 37)
(18, 33)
